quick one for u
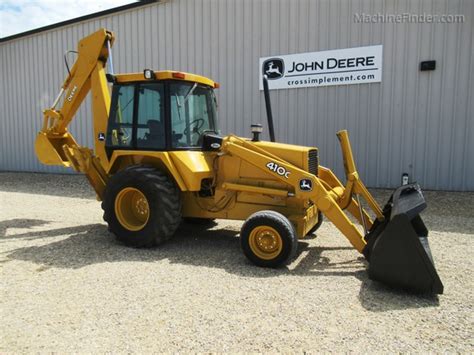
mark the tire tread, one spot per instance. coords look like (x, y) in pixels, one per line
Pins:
(163, 223)
(274, 219)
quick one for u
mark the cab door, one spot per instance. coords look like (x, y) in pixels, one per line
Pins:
(137, 118)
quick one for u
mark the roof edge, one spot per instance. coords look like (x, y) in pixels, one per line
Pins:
(81, 18)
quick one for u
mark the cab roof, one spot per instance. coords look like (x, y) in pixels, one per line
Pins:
(167, 74)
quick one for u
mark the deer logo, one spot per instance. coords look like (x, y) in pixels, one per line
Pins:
(273, 68)
(306, 185)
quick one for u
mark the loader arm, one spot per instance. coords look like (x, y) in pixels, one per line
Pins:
(331, 201)
(55, 145)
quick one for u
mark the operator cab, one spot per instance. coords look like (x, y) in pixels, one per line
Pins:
(161, 112)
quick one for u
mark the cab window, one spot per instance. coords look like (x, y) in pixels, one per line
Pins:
(120, 128)
(160, 115)
(192, 113)
(151, 117)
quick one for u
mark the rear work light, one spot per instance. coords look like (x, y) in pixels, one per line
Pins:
(179, 75)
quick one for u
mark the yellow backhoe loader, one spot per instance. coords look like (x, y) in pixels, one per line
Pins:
(158, 158)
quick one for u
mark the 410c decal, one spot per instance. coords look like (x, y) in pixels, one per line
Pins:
(280, 170)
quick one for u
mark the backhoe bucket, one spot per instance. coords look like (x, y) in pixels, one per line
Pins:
(397, 248)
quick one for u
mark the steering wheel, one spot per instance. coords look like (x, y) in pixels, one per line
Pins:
(198, 124)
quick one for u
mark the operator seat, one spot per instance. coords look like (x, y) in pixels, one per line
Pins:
(156, 134)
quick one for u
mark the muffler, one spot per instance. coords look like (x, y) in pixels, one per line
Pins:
(397, 247)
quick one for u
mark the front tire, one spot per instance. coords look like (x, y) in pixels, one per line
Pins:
(317, 225)
(142, 206)
(268, 239)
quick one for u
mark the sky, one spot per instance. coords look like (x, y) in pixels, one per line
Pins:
(22, 15)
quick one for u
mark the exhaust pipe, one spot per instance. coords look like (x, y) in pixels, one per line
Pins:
(268, 107)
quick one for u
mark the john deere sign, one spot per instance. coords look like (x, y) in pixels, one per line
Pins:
(336, 67)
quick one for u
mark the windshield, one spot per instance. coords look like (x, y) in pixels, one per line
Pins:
(193, 113)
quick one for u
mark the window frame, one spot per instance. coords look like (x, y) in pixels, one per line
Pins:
(212, 118)
(136, 111)
(167, 117)
(113, 113)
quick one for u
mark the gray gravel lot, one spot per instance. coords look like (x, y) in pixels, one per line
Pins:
(67, 285)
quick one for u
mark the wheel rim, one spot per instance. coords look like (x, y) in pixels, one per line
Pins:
(265, 242)
(132, 209)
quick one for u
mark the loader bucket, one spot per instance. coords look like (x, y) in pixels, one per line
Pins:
(397, 248)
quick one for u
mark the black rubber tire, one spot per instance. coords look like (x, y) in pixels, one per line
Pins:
(282, 225)
(164, 202)
(317, 225)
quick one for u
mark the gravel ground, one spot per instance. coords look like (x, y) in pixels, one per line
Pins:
(68, 286)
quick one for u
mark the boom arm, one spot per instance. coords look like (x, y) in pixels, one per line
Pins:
(331, 200)
(54, 144)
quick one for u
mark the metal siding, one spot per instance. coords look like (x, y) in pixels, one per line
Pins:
(3, 122)
(414, 122)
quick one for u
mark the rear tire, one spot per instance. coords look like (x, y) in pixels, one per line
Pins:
(142, 206)
(268, 239)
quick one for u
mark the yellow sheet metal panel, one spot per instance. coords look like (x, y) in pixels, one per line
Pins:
(193, 167)
(164, 75)
(122, 158)
(187, 168)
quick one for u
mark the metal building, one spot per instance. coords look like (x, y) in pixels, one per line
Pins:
(418, 122)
